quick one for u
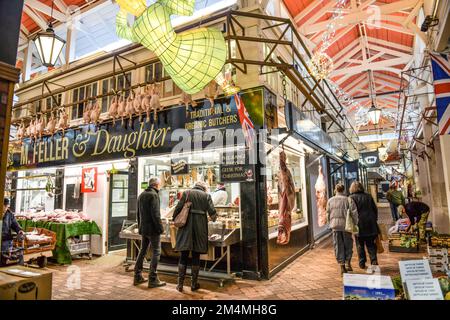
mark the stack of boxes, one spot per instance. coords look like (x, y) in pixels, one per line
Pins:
(438, 252)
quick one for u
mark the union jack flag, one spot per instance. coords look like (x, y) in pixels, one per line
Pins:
(247, 125)
(441, 75)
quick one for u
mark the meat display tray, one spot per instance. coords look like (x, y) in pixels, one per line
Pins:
(228, 237)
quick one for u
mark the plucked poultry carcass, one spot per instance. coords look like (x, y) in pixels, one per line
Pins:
(40, 126)
(155, 103)
(21, 131)
(63, 121)
(211, 92)
(286, 198)
(321, 198)
(186, 99)
(146, 102)
(50, 128)
(112, 110)
(129, 108)
(87, 112)
(33, 129)
(137, 104)
(28, 129)
(121, 107)
(95, 113)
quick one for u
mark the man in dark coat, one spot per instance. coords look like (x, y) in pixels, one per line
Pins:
(150, 228)
(417, 212)
(9, 224)
(367, 224)
(193, 237)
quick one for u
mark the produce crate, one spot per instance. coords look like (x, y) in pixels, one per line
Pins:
(401, 249)
(35, 246)
(80, 247)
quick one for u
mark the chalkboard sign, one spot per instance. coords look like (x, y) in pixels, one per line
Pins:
(179, 166)
(235, 167)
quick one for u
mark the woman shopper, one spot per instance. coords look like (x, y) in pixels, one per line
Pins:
(337, 208)
(193, 236)
(367, 224)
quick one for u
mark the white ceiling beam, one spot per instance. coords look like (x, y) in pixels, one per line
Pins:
(24, 30)
(307, 10)
(341, 34)
(318, 14)
(388, 78)
(351, 46)
(355, 82)
(342, 60)
(389, 51)
(39, 6)
(35, 17)
(391, 27)
(359, 16)
(61, 5)
(371, 66)
(389, 44)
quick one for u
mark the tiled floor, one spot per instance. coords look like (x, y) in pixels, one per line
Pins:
(315, 275)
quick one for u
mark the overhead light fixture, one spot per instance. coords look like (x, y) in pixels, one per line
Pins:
(382, 149)
(48, 45)
(374, 114)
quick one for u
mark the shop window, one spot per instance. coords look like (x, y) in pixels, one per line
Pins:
(37, 107)
(52, 103)
(80, 94)
(295, 165)
(117, 83)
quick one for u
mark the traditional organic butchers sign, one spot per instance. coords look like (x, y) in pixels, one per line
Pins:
(235, 167)
(179, 166)
(108, 141)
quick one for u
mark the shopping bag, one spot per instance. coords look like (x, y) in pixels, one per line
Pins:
(380, 248)
(350, 225)
(181, 219)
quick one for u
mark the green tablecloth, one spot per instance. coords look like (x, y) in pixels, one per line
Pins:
(63, 232)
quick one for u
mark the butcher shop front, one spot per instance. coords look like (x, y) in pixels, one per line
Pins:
(94, 173)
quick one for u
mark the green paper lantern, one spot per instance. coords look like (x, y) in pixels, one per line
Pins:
(192, 58)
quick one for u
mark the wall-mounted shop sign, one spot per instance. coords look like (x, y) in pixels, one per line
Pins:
(107, 141)
(370, 159)
(89, 180)
(235, 167)
(298, 122)
(179, 166)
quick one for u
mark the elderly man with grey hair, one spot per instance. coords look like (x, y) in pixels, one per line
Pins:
(150, 228)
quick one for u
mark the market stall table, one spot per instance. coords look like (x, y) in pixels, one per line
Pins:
(63, 231)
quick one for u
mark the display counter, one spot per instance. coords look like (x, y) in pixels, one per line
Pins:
(64, 231)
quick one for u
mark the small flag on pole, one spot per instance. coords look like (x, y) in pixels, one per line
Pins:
(246, 123)
(440, 64)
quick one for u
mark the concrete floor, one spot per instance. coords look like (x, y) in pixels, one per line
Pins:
(313, 276)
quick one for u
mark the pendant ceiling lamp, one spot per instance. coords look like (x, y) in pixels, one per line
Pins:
(48, 45)
(382, 149)
(374, 113)
(191, 58)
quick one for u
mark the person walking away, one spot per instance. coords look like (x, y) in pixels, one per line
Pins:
(337, 208)
(220, 196)
(9, 224)
(395, 198)
(417, 213)
(367, 224)
(150, 228)
(193, 236)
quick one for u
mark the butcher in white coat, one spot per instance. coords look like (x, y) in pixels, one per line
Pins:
(220, 195)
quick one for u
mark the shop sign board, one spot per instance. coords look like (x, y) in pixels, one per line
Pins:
(298, 122)
(89, 180)
(206, 124)
(368, 287)
(371, 159)
(179, 166)
(235, 167)
(425, 289)
(415, 270)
